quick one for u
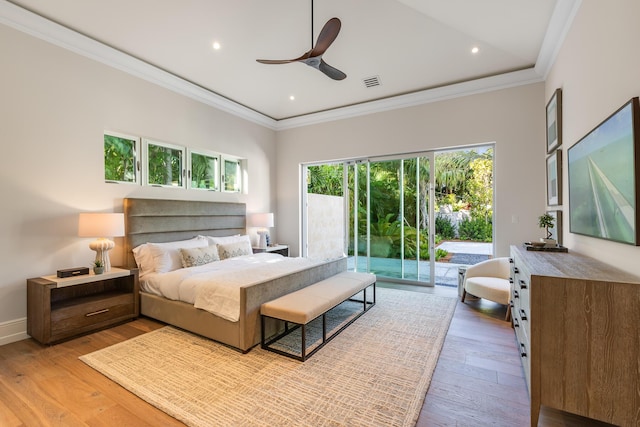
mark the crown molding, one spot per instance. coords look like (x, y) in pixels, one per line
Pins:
(49, 31)
(559, 25)
(487, 84)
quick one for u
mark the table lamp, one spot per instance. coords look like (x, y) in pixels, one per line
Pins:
(101, 225)
(262, 221)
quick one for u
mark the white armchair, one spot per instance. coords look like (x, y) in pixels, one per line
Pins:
(489, 280)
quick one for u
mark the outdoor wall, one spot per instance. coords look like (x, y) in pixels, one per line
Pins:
(597, 69)
(54, 108)
(512, 118)
(325, 228)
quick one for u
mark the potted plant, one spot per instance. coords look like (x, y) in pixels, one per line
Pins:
(98, 267)
(546, 221)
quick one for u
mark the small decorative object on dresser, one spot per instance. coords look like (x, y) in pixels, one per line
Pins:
(98, 267)
(546, 221)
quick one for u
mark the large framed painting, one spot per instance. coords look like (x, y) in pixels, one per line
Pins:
(603, 178)
(554, 121)
(554, 178)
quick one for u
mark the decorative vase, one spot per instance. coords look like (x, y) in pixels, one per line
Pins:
(98, 270)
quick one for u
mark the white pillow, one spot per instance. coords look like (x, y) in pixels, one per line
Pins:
(231, 250)
(225, 240)
(166, 256)
(199, 256)
(144, 258)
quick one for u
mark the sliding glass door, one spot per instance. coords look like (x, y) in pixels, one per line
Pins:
(388, 214)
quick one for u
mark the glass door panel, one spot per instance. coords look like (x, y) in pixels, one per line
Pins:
(408, 219)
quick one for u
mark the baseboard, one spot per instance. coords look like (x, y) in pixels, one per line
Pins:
(12, 331)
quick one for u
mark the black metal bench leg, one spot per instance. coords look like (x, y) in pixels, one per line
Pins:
(304, 343)
(324, 327)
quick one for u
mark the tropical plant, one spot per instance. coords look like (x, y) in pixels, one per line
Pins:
(475, 229)
(479, 192)
(118, 159)
(445, 228)
(325, 179)
(98, 263)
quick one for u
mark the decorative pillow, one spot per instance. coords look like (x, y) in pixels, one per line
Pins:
(225, 240)
(199, 256)
(231, 250)
(167, 257)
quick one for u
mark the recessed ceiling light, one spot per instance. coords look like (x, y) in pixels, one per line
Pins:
(475, 49)
(216, 45)
(292, 98)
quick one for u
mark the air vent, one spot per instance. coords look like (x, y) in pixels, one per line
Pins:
(372, 81)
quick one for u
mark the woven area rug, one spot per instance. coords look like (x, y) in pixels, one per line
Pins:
(375, 373)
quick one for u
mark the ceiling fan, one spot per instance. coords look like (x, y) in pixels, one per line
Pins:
(313, 57)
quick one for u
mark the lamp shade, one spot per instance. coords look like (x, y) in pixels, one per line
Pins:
(101, 225)
(262, 220)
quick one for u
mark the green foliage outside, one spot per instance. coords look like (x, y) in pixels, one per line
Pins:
(204, 171)
(475, 229)
(119, 159)
(165, 165)
(445, 228)
(464, 180)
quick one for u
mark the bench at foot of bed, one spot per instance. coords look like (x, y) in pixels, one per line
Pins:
(307, 304)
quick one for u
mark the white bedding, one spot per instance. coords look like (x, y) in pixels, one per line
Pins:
(215, 287)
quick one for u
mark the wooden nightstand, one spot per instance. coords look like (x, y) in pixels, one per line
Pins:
(61, 308)
(277, 249)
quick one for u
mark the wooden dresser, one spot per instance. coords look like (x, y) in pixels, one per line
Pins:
(578, 324)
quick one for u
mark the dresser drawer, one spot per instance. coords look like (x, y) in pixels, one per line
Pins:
(88, 314)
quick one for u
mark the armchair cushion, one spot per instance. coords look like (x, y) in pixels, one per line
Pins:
(490, 280)
(492, 288)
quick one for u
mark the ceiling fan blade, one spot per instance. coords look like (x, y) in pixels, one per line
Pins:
(334, 73)
(275, 61)
(303, 57)
(327, 35)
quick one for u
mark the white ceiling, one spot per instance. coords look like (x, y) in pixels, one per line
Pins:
(413, 46)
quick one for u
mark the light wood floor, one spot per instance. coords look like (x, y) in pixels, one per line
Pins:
(478, 380)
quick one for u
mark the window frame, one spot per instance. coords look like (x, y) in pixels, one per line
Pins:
(223, 174)
(135, 161)
(217, 173)
(183, 171)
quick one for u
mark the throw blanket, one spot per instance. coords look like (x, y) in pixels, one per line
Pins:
(215, 287)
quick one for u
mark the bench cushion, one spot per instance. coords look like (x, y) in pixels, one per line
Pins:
(306, 304)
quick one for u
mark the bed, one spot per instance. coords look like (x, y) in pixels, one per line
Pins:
(160, 221)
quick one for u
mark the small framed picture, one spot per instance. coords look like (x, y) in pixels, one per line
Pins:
(554, 121)
(554, 178)
(556, 230)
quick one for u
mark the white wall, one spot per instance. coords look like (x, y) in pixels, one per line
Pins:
(54, 107)
(597, 69)
(512, 118)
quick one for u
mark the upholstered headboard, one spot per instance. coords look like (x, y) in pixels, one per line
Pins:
(157, 221)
